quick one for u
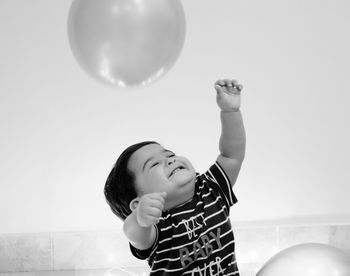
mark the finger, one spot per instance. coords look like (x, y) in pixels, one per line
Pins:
(220, 83)
(234, 83)
(218, 88)
(157, 196)
(228, 83)
(239, 87)
(153, 220)
(157, 204)
(154, 212)
(157, 200)
(149, 220)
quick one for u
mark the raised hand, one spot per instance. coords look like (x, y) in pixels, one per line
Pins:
(228, 96)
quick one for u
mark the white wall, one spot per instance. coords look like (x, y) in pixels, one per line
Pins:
(61, 131)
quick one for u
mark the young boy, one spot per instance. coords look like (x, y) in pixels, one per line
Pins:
(174, 217)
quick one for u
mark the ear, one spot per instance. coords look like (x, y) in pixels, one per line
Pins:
(133, 204)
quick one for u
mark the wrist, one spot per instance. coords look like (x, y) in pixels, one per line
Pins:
(229, 110)
(141, 220)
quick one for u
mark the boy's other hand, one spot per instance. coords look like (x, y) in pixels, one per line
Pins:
(228, 96)
(149, 209)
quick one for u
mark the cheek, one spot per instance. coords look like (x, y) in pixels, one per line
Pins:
(185, 160)
(155, 182)
(157, 175)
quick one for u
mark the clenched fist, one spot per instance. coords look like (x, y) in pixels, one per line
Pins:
(150, 208)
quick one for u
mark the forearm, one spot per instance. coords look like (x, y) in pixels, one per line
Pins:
(140, 237)
(232, 139)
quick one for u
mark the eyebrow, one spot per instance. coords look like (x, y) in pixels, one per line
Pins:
(149, 159)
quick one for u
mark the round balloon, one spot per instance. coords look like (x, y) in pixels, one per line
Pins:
(126, 42)
(309, 259)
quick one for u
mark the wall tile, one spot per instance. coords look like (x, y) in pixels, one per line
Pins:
(92, 250)
(340, 237)
(293, 235)
(25, 252)
(255, 245)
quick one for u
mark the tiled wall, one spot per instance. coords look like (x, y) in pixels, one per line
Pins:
(93, 250)
(255, 245)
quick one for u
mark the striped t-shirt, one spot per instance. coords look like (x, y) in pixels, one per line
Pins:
(196, 238)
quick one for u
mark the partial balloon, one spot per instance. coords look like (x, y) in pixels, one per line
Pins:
(126, 42)
(308, 259)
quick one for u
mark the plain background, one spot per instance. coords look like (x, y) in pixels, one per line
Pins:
(61, 131)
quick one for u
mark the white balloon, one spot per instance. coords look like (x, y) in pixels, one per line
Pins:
(308, 259)
(126, 42)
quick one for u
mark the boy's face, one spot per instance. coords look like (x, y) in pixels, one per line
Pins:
(159, 170)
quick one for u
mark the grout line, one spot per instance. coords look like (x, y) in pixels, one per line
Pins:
(278, 237)
(52, 252)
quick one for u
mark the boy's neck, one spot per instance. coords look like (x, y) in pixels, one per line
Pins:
(187, 196)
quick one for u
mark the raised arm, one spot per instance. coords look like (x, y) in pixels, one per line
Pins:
(232, 140)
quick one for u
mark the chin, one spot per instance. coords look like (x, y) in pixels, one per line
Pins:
(187, 186)
(184, 180)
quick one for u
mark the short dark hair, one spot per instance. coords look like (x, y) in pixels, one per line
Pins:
(119, 189)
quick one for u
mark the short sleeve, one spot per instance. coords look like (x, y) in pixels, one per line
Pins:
(219, 181)
(146, 253)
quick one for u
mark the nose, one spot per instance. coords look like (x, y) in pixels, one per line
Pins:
(171, 160)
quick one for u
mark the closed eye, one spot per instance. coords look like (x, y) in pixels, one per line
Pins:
(169, 153)
(155, 164)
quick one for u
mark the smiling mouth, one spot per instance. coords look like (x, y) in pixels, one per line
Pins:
(176, 170)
